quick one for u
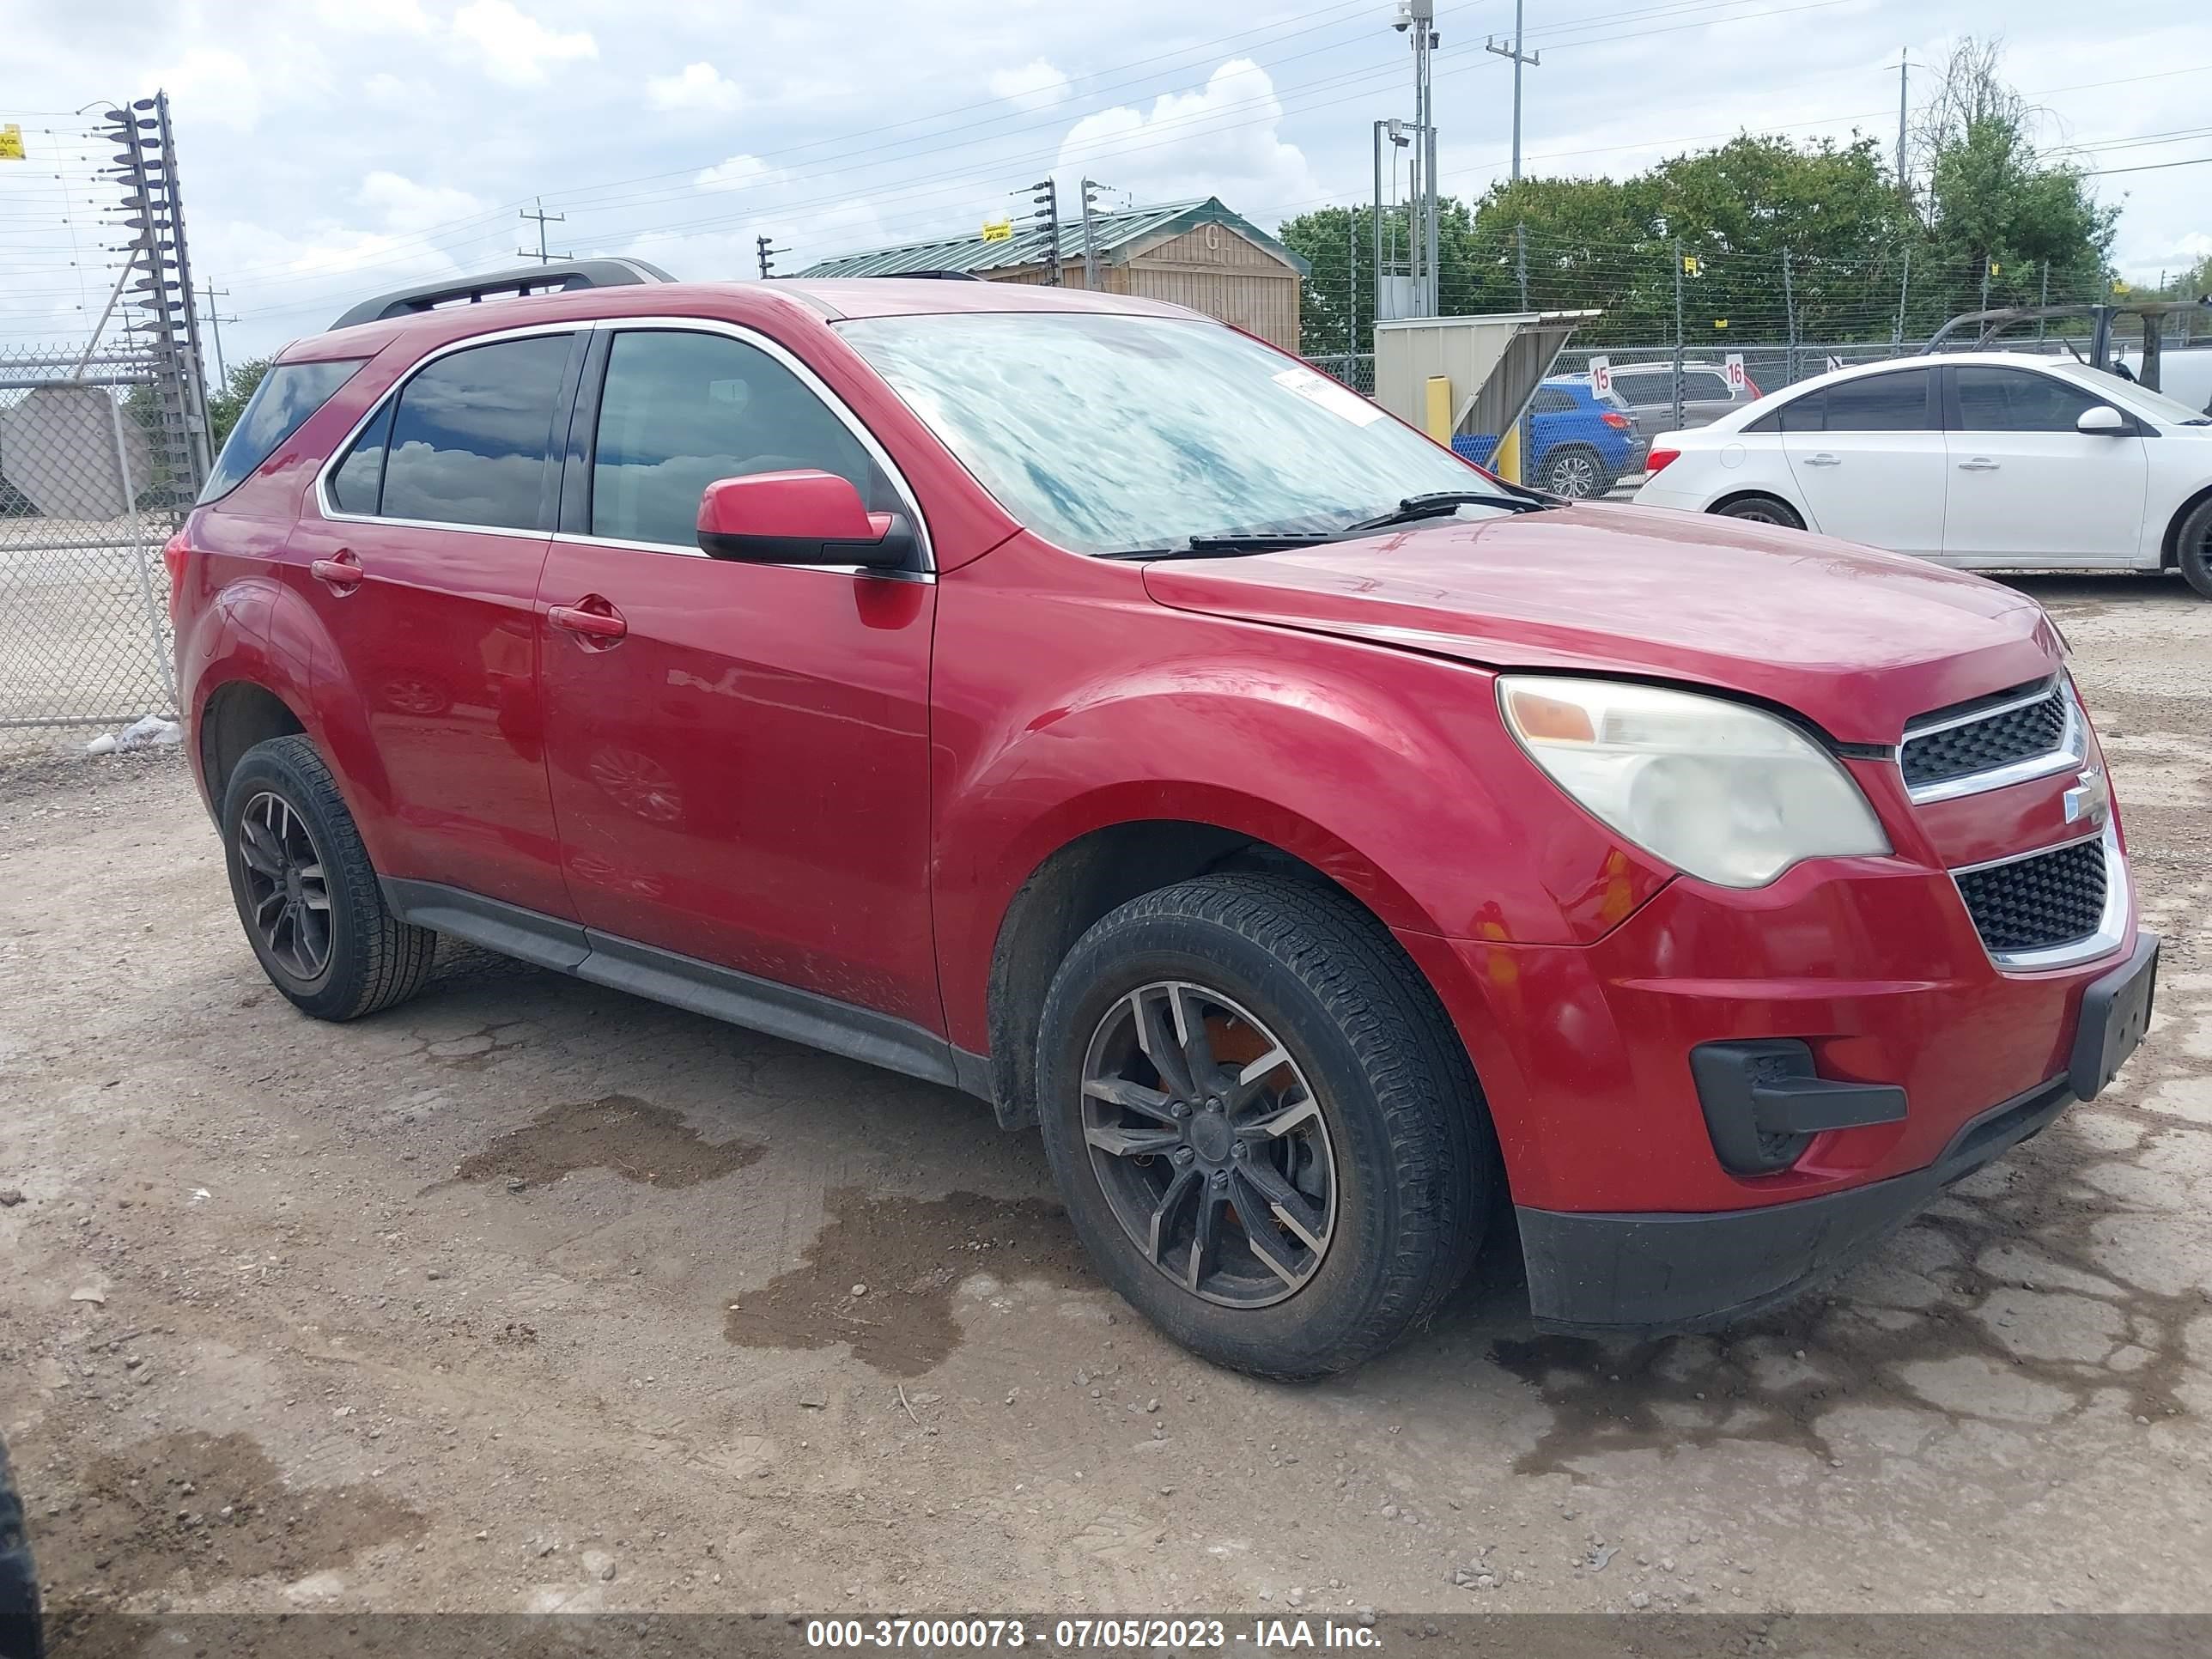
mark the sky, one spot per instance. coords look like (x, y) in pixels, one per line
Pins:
(334, 149)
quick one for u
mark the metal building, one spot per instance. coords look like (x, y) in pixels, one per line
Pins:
(1198, 254)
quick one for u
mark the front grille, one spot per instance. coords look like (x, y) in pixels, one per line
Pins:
(2037, 902)
(1983, 746)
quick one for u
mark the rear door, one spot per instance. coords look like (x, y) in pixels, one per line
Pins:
(420, 559)
(1869, 458)
(742, 774)
(2027, 488)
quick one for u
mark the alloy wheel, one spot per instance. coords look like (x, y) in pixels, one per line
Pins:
(1209, 1144)
(288, 896)
(1574, 477)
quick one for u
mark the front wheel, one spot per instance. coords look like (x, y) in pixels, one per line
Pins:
(2193, 548)
(1267, 1134)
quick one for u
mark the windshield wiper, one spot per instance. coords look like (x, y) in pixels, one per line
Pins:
(1226, 547)
(1441, 503)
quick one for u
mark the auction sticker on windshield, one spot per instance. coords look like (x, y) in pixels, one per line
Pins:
(1339, 400)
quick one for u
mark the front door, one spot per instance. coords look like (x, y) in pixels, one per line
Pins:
(740, 753)
(2027, 488)
(1867, 458)
(421, 566)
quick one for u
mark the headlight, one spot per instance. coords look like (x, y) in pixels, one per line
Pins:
(1719, 791)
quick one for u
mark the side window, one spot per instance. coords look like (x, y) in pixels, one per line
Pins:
(1806, 414)
(1642, 391)
(359, 479)
(1550, 400)
(471, 439)
(1704, 387)
(1881, 403)
(682, 409)
(2017, 400)
(288, 394)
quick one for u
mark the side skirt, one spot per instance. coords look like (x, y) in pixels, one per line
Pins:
(682, 981)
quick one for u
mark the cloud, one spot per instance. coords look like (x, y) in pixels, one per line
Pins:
(373, 17)
(1221, 141)
(700, 86)
(406, 205)
(1036, 85)
(516, 46)
(736, 172)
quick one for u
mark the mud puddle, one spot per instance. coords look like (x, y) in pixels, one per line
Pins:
(909, 1255)
(628, 1137)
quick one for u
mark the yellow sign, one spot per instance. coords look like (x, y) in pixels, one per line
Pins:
(11, 142)
(1690, 265)
(1995, 269)
(998, 230)
(1720, 322)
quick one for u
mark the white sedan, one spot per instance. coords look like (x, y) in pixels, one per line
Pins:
(1988, 460)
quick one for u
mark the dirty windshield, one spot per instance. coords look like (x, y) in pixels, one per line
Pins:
(1108, 434)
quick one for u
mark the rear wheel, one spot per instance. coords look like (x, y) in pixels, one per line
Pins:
(1762, 509)
(2193, 548)
(1267, 1134)
(1574, 472)
(307, 893)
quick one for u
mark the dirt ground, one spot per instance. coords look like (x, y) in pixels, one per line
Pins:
(530, 1296)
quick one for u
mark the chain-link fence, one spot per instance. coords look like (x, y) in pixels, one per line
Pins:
(104, 435)
(90, 488)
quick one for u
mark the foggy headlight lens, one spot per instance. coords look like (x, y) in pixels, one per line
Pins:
(1721, 792)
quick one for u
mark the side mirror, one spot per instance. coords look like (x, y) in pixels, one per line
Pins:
(2105, 420)
(799, 518)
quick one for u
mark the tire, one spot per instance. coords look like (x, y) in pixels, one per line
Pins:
(1762, 509)
(1574, 473)
(2192, 547)
(1396, 1118)
(283, 821)
(20, 1624)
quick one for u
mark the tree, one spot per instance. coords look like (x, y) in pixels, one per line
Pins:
(1994, 204)
(227, 403)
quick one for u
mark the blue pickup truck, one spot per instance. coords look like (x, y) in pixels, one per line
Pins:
(1579, 443)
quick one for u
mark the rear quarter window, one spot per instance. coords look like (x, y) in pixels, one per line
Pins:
(288, 394)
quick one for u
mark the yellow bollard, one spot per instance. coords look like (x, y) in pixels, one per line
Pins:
(1439, 408)
(1506, 462)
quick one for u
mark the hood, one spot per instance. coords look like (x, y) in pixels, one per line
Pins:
(1857, 641)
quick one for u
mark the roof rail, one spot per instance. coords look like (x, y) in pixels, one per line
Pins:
(938, 276)
(522, 279)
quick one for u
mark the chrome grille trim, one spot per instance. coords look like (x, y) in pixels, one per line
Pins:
(2071, 754)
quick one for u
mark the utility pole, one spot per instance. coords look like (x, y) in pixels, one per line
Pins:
(1904, 96)
(1418, 18)
(1681, 265)
(1047, 198)
(1091, 189)
(1519, 58)
(766, 254)
(210, 292)
(1790, 317)
(543, 219)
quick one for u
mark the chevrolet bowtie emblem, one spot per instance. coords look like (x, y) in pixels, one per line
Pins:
(2090, 800)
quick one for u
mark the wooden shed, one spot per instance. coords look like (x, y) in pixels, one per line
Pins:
(1198, 254)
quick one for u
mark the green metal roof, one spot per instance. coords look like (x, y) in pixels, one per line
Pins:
(1120, 235)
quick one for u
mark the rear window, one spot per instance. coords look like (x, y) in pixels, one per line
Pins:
(288, 394)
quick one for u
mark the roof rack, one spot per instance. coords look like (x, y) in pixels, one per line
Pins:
(522, 279)
(938, 275)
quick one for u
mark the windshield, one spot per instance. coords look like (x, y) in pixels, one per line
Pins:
(1110, 433)
(2129, 394)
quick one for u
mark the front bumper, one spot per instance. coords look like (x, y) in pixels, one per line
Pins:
(1642, 1274)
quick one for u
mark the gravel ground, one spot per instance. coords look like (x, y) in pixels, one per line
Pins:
(530, 1296)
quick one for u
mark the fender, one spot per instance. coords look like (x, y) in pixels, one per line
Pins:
(1390, 771)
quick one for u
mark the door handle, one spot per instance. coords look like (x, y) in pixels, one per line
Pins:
(1824, 459)
(341, 573)
(1979, 464)
(595, 621)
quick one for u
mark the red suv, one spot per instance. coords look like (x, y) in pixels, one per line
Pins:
(1069, 699)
